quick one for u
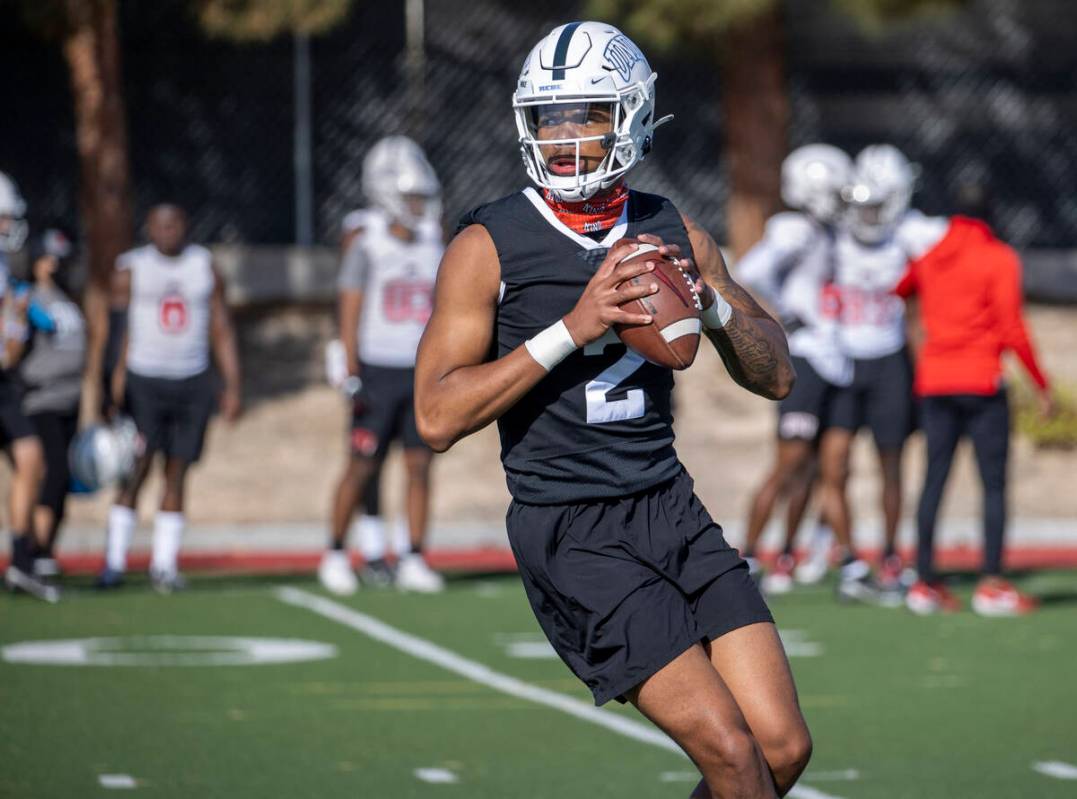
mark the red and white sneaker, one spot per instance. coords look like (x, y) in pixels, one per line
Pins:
(923, 599)
(997, 597)
(779, 580)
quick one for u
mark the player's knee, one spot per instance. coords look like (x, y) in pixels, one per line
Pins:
(789, 756)
(729, 750)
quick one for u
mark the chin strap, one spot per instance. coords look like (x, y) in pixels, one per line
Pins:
(600, 212)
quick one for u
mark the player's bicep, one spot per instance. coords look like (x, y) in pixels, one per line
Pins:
(461, 327)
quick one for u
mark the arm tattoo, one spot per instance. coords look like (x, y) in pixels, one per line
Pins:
(752, 344)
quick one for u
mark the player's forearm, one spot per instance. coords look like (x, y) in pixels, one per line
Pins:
(226, 354)
(754, 348)
(468, 398)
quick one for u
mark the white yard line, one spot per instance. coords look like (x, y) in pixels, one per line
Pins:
(117, 781)
(477, 672)
(1056, 769)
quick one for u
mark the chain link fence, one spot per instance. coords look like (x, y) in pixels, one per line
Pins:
(983, 101)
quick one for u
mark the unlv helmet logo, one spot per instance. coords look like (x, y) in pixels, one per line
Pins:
(173, 313)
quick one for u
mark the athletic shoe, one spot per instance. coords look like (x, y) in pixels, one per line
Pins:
(336, 575)
(779, 580)
(167, 582)
(855, 583)
(22, 580)
(813, 567)
(891, 588)
(376, 573)
(995, 597)
(46, 567)
(108, 579)
(413, 574)
(925, 598)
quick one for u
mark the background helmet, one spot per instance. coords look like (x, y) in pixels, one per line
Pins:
(880, 192)
(102, 455)
(396, 168)
(13, 227)
(587, 62)
(813, 177)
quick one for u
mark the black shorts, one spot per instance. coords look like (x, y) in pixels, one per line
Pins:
(879, 397)
(384, 412)
(804, 414)
(172, 414)
(621, 587)
(13, 422)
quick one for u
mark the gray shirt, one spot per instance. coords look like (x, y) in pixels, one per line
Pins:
(52, 367)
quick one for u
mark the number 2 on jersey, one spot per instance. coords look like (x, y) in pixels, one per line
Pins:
(600, 409)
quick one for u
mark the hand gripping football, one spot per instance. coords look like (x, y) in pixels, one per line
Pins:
(671, 340)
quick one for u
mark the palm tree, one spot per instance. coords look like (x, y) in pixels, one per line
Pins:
(747, 39)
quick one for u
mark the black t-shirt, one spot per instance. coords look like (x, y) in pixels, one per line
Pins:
(600, 424)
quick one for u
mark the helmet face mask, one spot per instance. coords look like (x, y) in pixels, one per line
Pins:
(574, 72)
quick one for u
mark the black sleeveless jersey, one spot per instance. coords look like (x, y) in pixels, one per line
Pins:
(600, 424)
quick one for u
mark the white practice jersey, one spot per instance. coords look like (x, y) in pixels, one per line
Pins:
(397, 280)
(169, 315)
(791, 268)
(872, 315)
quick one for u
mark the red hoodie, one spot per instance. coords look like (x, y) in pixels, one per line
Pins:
(969, 287)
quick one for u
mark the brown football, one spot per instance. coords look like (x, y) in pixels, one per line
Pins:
(672, 339)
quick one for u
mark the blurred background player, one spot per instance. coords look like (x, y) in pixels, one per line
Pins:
(177, 314)
(871, 254)
(16, 432)
(791, 268)
(968, 289)
(386, 288)
(50, 363)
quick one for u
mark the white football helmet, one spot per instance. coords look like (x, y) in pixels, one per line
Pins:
(587, 62)
(102, 455)
(813, 177)
(13, 228)
(396, 169)
(880, 192)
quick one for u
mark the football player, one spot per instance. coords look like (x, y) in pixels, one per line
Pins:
(50, 361)
(178, 324)
(386, 288)
(880, 234)
(16, 432)
(627, 574)
(791, 268)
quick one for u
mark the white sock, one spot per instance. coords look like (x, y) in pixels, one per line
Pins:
(401, 538)
(167, 532)
(121, 526)
(372, 537)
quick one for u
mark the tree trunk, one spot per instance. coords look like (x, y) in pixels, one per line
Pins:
(91, 48)
(755, 105)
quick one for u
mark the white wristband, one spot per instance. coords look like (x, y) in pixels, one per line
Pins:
(552, 345)
(716, 316)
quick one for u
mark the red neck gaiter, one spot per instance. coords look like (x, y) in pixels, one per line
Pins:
(590, 216)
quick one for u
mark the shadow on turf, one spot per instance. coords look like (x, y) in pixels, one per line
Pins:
(83, 586)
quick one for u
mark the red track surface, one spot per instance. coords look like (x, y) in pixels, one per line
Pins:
(501, 560)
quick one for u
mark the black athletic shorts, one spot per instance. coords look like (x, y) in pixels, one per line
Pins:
(13, 422)
(384, 412)
(172, 414)
(621, 587)
(879, 397)
(804, 414)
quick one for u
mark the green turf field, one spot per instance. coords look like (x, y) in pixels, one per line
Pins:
(899, 706)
